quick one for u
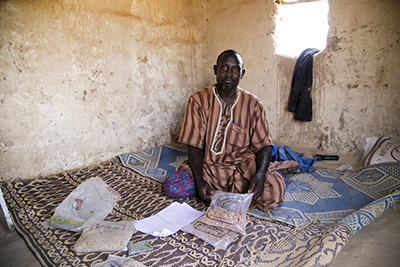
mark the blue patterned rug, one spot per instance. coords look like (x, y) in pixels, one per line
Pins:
(323, 195)
(157, 163)
(330, 196)
(362, 217)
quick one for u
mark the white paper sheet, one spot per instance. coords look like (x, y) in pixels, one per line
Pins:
(168, 221)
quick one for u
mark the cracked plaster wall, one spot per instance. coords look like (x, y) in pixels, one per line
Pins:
(82, 82)
(356, 85)
(248, 26)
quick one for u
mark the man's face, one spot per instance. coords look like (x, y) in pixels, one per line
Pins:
(229, 70)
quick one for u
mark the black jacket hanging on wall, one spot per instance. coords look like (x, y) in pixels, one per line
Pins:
(300, 98)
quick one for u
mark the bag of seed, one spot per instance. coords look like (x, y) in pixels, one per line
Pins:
(223, 221)
(91, 199)
(98, 236)
(228, 211)
(218, 237)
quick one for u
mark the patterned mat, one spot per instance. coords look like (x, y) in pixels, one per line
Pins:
(364, 216)
(330, 196)
(157, 163)
(323, 194)
(32, 202)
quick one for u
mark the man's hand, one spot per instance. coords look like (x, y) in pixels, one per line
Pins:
(195, 157)
(204, 191)
(256, 186)
(263, 158)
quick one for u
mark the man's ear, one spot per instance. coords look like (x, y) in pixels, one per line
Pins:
(215, 69)
(243, 72)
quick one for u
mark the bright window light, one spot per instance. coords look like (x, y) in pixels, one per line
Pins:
(301, 26)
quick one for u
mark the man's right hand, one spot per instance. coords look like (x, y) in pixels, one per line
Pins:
(204, 191)
(195, 157)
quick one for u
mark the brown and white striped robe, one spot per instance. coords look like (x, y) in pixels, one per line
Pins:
(230, 136)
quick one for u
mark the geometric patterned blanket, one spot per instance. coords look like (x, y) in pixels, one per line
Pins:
(323, 194)
(266, 243)
(331, 196)
(157, 163)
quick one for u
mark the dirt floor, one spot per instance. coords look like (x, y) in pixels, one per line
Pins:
(376, 245)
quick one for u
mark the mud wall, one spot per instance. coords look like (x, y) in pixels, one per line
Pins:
(248, 27)
(84, 81)
(356, 79)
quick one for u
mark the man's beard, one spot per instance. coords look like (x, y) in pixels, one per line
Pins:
(228, 86)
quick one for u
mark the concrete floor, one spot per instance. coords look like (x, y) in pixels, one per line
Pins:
(376, 245)
(13, 250)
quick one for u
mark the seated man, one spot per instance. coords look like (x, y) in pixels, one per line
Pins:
(229, 142)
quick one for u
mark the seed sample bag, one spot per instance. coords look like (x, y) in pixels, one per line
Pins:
(218, 237)
(228, 211)
(91, 199)
(98, 236)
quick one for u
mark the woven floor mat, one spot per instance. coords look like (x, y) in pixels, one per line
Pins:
(32, 202)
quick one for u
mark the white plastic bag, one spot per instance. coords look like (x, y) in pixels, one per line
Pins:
(91, 199)
(99, 236)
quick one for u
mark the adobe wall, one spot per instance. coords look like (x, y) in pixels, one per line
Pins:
(248, 27)
(356, 79)
(84, 81)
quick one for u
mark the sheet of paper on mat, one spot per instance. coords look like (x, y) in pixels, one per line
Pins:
(168, 221)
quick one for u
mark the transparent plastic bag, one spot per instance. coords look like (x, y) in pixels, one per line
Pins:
(99, 236)
(91, 199)
(218, 237)
(228, 211)
(223, 221)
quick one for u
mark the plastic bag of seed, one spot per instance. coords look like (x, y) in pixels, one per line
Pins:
(98, 236)
(218, 237)
(223, 221)
(91, 199)
(228, 211)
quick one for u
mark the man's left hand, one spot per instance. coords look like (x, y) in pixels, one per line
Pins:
(263, 157)
(256, 186)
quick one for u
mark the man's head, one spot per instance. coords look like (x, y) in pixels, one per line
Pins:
(229, 69)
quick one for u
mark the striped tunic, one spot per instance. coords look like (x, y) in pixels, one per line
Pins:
(230, 136)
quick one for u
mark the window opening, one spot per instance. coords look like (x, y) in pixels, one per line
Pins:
(301, 24)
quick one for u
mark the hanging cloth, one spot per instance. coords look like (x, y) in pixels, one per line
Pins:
(300, 98)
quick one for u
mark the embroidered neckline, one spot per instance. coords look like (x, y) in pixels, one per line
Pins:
(224, 121)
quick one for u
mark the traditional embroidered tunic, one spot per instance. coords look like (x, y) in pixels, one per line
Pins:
(230, 136)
